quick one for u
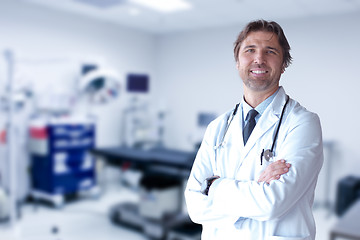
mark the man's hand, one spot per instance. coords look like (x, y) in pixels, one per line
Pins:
(274, 171)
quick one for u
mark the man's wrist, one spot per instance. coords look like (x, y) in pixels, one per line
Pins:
(205, 187)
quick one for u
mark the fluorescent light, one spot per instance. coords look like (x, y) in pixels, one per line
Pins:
(164, 5)
(102, 3)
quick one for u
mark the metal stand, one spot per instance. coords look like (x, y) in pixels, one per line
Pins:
(58, 200)
(11, 140)
(326, 178)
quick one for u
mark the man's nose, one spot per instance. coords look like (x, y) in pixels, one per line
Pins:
(259, 58)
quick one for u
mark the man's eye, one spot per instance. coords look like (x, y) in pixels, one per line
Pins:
(250, 50)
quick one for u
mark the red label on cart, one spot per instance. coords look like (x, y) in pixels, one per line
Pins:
(39, 133)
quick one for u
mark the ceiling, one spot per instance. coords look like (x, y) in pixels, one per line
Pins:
(202, 14)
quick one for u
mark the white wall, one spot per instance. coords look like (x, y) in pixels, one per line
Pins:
(37, 33)
(197, 73)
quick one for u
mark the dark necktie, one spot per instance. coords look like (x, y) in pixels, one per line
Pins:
(249, 125)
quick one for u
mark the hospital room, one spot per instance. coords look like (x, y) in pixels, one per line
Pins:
(118, 119)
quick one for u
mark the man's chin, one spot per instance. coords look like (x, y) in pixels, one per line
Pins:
(257, 87)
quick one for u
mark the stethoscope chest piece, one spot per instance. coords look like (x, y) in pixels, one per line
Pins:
(268, 154)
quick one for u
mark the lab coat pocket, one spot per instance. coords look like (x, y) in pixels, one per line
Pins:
(288, 238)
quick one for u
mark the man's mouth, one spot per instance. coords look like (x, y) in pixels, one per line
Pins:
(258, 71)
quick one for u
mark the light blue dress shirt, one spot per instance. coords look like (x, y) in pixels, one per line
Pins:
(260, 108)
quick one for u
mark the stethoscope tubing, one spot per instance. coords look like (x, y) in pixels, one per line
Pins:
(278, 127)
(234, 113)
(227, 126)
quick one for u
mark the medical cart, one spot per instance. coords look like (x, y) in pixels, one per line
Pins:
(61, 162)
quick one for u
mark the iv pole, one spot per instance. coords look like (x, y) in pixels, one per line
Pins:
(11, 139)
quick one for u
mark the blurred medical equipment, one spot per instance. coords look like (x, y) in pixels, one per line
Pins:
(61, 163)
(185, 231)
(4, 205)
(136, 116)
(99, 85)
(27, 78)
(4, 199)
(142, 127)
(347, 227)
(137, 83)
(348, 191)
(325, 192)
(60, 144)
(160, 209)
(51, 84)
(159, 196)
(203, 120)
(11, 156)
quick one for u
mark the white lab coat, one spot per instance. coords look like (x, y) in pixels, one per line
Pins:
(238, 207)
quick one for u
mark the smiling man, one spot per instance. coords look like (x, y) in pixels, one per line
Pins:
(255, 173)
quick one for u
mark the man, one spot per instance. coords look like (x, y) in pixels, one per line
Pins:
(237, 189)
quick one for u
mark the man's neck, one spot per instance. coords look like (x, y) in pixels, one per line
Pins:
(254, 98)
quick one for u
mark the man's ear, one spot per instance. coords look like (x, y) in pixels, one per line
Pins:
(283, 69)
(237, 65)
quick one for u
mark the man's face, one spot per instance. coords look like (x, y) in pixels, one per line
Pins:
(260, 61)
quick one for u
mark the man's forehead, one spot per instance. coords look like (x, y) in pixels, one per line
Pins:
(261, 37)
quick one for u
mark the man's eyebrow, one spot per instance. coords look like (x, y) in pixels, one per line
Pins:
(249, 46)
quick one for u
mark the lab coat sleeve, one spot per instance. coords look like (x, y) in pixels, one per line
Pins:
(199, 206)
(302, 147)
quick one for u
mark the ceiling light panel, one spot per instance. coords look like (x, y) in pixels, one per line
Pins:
(102, 3)
(165, 6)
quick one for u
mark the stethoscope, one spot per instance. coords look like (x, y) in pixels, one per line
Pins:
(268, 153)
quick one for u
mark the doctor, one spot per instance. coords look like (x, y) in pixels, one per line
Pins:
(236, 189)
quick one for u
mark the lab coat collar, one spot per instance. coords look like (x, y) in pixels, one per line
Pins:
(278, 102)
(270, 117)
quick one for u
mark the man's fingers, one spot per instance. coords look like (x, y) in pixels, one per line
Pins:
(274, 171)
(280, 171)
(279, 166)
(261, 178)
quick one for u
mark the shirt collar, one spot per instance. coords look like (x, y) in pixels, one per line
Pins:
(260, 108)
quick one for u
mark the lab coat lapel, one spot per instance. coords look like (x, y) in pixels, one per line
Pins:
(233, 140)
(270, 117)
